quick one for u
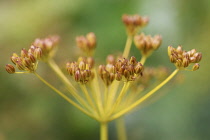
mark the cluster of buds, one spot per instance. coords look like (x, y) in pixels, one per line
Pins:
(183, 59)
(147, 44)
(134, 22)
(87, 44)
(122, 69)
(81, 70)
(47, 46)
(27, 61)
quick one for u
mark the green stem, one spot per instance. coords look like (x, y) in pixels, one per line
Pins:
(68, 84)
(127, 46)
(143, 59)
(65, 97)
(104, 131)
(120, 97)
(60, 74)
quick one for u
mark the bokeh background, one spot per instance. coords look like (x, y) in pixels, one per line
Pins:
(29, 110)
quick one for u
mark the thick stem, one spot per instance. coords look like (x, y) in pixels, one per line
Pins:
(135, 104)
(104, 131)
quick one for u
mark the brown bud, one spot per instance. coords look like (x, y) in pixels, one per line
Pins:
(196, 66)
(10, 68)
(198, 57)
(138, 68)
(90, 61)
(24, 53)
(110, 59)
(31, 57)
(173, 58)
(111, 77)
(118, 76)
(185, 62)
(156, 42)
(82, 65)
(133, 23)
(133, 60)
(91, 39)
(77, 76)
(20, 65)
(13, 59)
(179, 49)
(126, 73)
(27, 62)
(178, 62)
(38, 53)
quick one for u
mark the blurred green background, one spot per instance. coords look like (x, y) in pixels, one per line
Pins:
(29, 110)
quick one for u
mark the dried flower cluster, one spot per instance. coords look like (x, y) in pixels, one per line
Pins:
(87, 44)
(122, 69)
(183, 59)
(81, 70)
(134, 22)
(147, 44)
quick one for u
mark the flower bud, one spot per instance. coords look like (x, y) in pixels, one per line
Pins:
(10, 68)
(91, 39)
(38, 53)
(27, 62)
(118, 76)
(77, 76)
(20, 65)
(24, 53)
(196, 66)
(32, 58)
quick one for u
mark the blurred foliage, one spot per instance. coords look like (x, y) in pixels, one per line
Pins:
(30, 110)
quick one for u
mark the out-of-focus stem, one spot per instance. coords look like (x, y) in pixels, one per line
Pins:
(143, 59)
(65, 97)
(60, 74)
(120, 97)
(121, 131)
(135, 104)
(127, 46)
(65, 80)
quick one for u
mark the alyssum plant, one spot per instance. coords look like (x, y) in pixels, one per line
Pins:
(106, 92)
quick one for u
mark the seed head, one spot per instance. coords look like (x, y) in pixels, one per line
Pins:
(122, 69)
(81, 70)
(44, 49)
(183, 59)
(147, 44)
(87, 44)
(134, 22)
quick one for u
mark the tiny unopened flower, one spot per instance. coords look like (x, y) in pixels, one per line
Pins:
(196, 66)
(10, 68)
